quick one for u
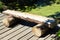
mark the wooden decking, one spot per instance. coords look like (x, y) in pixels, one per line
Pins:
(20, 32)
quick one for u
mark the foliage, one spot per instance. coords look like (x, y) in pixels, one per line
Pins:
(1, 6)
(34, 6)
(46, 10)
(27, 5)
(19, 4)
(58, 33)
(57, 1)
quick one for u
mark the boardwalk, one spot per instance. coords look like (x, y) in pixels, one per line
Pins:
(20, 31)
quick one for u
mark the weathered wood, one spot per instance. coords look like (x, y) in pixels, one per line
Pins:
(15, 29)
(31, 17)
(8, 20)
(39, 29)
(43, 23)
(26, 16)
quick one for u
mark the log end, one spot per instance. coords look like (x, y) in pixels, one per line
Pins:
(5, 22)
(37, 31)
(8, 21)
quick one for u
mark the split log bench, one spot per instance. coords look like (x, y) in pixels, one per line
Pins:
(43, 23)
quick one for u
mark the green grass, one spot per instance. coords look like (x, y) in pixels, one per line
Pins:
(46, 10)
(58, 33)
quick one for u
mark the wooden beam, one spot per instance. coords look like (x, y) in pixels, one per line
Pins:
(26, 16)
(32, 18)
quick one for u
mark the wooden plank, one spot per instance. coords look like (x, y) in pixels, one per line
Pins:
(1, 15)
(26, 37)
(50, 38)
(4, 30)
(2, 27)
(43, 38)
(21, 34)
(0, 21)
(15, 33)
(34, 38)
(1, 18)
(26, 16)
(47, 36)
(1, 24)
(10, 31)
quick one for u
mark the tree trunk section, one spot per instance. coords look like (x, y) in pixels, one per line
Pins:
(9, 20)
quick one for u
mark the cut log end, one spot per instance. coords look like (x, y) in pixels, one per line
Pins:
(5, 22)
(8, 21)
(38, 31)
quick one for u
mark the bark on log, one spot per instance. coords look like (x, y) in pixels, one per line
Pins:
(31, 17)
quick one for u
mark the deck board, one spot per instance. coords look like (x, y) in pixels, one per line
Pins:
(21, 34)
(4, 30)
(50, 38)
(33, 38)
(9, 32)
(26, 37)
(18, 32)
(13, 34)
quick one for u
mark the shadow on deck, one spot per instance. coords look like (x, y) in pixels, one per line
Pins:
(22, 22)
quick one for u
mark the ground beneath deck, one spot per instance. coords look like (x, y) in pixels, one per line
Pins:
(21, 32)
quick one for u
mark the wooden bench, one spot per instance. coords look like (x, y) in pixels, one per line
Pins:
(43, 23)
